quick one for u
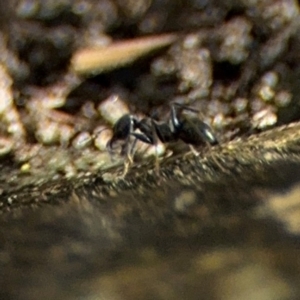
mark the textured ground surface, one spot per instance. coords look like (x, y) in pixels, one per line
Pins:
(223, 225)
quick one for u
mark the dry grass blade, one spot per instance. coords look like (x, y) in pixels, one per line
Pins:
(96, 60)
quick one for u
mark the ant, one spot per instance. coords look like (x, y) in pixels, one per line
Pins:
(192, 131)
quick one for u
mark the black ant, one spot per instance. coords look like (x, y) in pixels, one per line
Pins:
(192, 131)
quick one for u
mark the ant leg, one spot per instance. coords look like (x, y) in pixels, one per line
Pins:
(194, 151)
(155, 142)
(133, 147)
(128, 161)
(185, 107)
(175, 122)
(127, 150)
(127, 164)
(144, 138)
(156, 167)
(151, 140)
(174, 119)
(141, 137)
(128, 158)
(109, 149)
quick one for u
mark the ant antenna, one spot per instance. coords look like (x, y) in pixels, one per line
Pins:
(185, 107)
